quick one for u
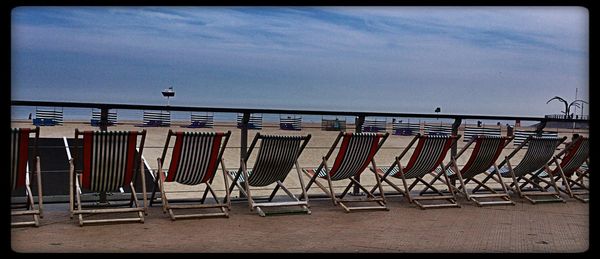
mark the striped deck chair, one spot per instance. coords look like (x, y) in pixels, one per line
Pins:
(428, 155)
(110, 161)
(539, 153)
(276, 157)
(356, 151)
(571, 159)
(194, 161)
(485, 154)
(20, 176)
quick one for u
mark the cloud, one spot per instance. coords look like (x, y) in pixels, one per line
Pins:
(413, 56)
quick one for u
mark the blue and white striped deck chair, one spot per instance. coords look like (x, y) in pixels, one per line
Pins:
(428, 155)
(21, 178)
(277, 155)
(254, 121)
(200, 121)
(48, 117)
(97, 116)
(290, 123)
(521, 135)
(571, 159)
(374, 126)
(356, 151)
(470, 132)
(486, 152)
(195, 158)
(110, 162)
(539, 153)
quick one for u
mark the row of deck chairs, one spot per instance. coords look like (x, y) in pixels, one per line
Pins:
(112, 160)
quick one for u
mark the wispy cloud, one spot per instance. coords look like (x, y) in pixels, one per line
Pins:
(387, 58)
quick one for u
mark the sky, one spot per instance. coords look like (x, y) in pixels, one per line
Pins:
(466, 60)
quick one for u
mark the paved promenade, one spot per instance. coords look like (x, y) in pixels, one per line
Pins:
(523, 228)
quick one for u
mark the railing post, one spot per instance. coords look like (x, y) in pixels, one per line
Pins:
(103, 127)
(540, 128)
(244, 140)
(455, 125)
(103, 119)
(358, 123)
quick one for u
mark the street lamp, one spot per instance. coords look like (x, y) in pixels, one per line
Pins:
(169, 92)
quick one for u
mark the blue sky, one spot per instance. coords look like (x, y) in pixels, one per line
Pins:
(467, 60)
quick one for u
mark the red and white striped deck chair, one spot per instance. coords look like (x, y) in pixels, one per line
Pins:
(20, 177)
(355, 153)
(110, 162)
(194, 161)
(277, 155)
(540, 151)
(571, 160)
(485, 154)
(428, 155)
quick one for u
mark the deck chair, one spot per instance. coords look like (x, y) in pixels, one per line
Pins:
(20, 176)
(539, 153)
(571, 159)
(194, 161)
(485, 154)
(276, 157)
(428, 155)
(355, 153)
(110, 161)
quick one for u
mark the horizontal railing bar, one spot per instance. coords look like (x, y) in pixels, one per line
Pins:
(280, 111)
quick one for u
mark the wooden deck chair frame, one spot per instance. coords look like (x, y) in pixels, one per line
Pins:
(278, 179)
(406, 191)
(565, 170)
(334, 174)
(192, 142)
(536, 190)
(20, 176)
(483, 158)
(76, 178)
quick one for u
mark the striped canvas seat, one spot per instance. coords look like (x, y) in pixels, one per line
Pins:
(276, 157)
(110, 162)
(573, 157)
(427, 156)
(20, 176)
(19, 156)
(540, 151)
(195, 158)
(539, 155)
(108, 159)
(429, 153)
(355, 153)
(484, 155)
